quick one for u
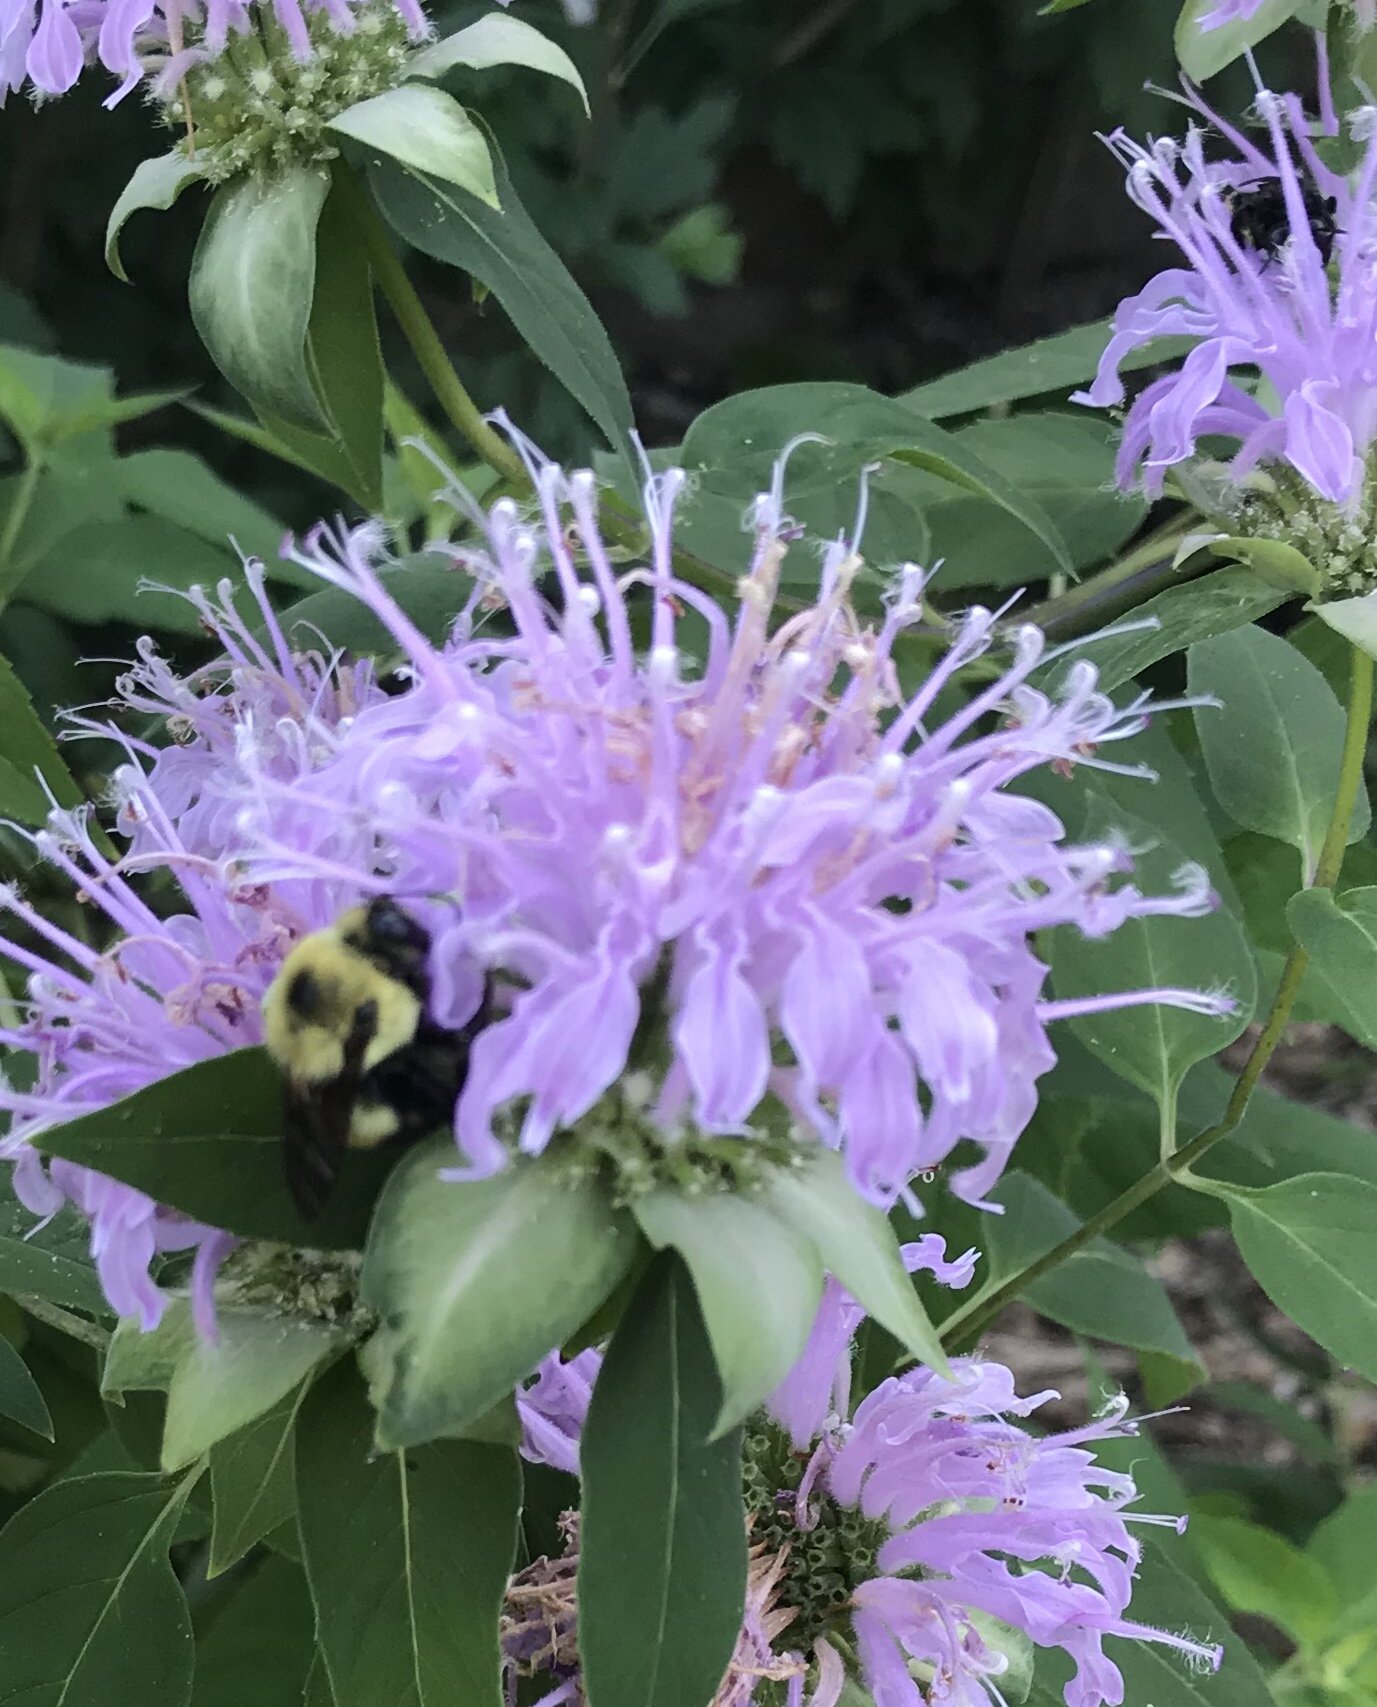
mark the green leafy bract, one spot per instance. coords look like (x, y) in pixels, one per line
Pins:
(251, 286)
(464, 1316)
(758, 1283)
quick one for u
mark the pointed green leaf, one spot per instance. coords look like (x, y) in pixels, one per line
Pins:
(1205, 51)
(463, 1318)
(1214, 604)
(1272, 747)
(662, 1548)
(21, 1398)
(427, 130)
(156, 183)
(253, 1482)
(29, 752)
(1340, 936)
(505, 252)
(1258, 1571)
(731, 449)
(1154, 1046)
(90, 1611)
(498, 40)
(343, 353)
(407, 1555)
(1272, 560)
(208, 1141)
(857, 1244)
(1047, 367)
(181, 488)
(252, 284)
(1309, 1243)
(1355, 619)
(140, 1362)
(256, 1361)
(758, 1282)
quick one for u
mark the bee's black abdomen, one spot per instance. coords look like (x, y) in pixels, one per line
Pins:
(316, 1117)
(421, 1083)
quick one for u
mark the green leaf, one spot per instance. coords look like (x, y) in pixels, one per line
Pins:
(97, 572)
(1342, 1546)
(1101, 1291)
(1273, 749)
(1065, 463)
(251, 287)
(506, 253)
(427, 130)
(857, 1245)
(343, 353)
(1204, 52)
(732, 447)
(462, 1320)
(317, 1692)
(156, 183)
(498, 40)
(662, 1550)
(1212, 605)
(1309, 1243)
(260, 1646)
(1153, 1046)
(139, 1361)
(252, 1481)
(758, 1282)
(428, 589)
(207, 1141)
(407, 1556)
(1340, 936)
(28, 751)
(1257, 1571)
(21, 1398)
(256, 1361)
(180, 488)
(51, 1260)
(1050, 366)
(90, 1611)
(1355, 619)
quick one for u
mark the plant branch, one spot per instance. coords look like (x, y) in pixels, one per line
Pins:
(972, 1318)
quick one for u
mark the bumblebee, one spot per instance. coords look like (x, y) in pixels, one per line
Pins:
(363, 1063)
(1260, 219)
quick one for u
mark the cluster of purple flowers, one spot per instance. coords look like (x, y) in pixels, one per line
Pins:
(771, 841)
(1274, 310)
(47, 43)
(892, 1531)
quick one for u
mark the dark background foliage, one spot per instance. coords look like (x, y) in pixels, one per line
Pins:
(868, 190)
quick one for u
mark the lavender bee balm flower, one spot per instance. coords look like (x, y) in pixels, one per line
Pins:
(725, 881)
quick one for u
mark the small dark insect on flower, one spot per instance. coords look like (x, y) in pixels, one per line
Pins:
(1260, 219)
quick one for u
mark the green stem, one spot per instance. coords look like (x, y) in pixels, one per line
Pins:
(974, 1316)
(17, 515)
(419, 331)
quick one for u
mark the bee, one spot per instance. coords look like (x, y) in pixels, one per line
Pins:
(1260, 219)
(363, 1063)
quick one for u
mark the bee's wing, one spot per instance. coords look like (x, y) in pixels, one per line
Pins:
(316, 1117)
